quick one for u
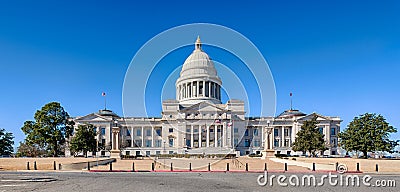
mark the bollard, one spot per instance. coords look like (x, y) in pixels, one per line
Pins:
(376, 168)
(34, 165)
(209, 167)
(227, 167)
(59, 166)
(265, 166)
(247, 167)
(358, 166)
(54, 165)
(88, 166)
(190, 166)
(152, 166)
(133, 166)
(171, 167)
(27, 166)
(337, 165)
(110, 166)
(313, 166)
(285, 166)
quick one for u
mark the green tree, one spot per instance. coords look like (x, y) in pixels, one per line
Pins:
(25, 150)
(368, 133)
(84, 139)
(50, 128)
(6, 142)
(309, 139)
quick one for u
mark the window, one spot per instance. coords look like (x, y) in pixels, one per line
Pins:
(287, 143)
(137, 153)
(246, 133)
(95, 129)
(188, 141)
(148, 132)
(276, 132)
(247, 142)
(158, 143)
(235, 142)
(256, 143)
(158, 152)
(127, 153)
(158, 132)
(235, 130)
(171, 152)
(195, 131)
(128, 133)
(148, 143)
(128, 143)
(211, 130)
(276, 143)
(219, 130)
(103, 131)
(188, 130)
(138, 132)
(103, 142)
(171, 142)
(147, 153)
(138, 143)
(286, 132)
(255, 132)
(171, 130)
(333, 142)
(321, 130)
(333, 131)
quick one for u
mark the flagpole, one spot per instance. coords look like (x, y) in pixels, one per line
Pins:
(291, 101)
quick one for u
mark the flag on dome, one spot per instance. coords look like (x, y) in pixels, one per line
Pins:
(103, 94)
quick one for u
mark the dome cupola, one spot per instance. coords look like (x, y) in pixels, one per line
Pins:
(198, 80)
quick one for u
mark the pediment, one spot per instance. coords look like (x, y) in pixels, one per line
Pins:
(203, 107)
(312, 115)
(92, 117)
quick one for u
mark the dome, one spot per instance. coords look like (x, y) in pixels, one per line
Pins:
(198, 64)
(198, 80)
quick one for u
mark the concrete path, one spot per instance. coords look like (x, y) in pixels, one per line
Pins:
(304, 164)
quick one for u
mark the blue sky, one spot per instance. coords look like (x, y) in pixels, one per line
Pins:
(339, 58)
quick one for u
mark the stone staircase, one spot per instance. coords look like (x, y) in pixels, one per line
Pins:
(211, 150)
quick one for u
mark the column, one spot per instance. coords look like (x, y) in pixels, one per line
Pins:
(224, 134)
(283, 136)
(143, 136)
(215, 136)
(152, 136)
(132, 141)
(191, 136)
(209, 89)
(198, 88)
(199, 135)
(208, 136)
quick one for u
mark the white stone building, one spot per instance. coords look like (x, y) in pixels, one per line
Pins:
(196, 122)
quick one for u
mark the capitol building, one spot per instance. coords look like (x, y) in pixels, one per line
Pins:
(197, 122)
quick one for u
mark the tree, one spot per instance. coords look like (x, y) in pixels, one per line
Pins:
(25, 150)
(50, 128)
(84, 139)
(309, 138)
(368, 133)
(6, 142)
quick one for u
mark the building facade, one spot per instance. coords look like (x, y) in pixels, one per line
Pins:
(197, 122)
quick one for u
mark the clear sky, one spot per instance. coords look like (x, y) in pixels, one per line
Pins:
(339, 58)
